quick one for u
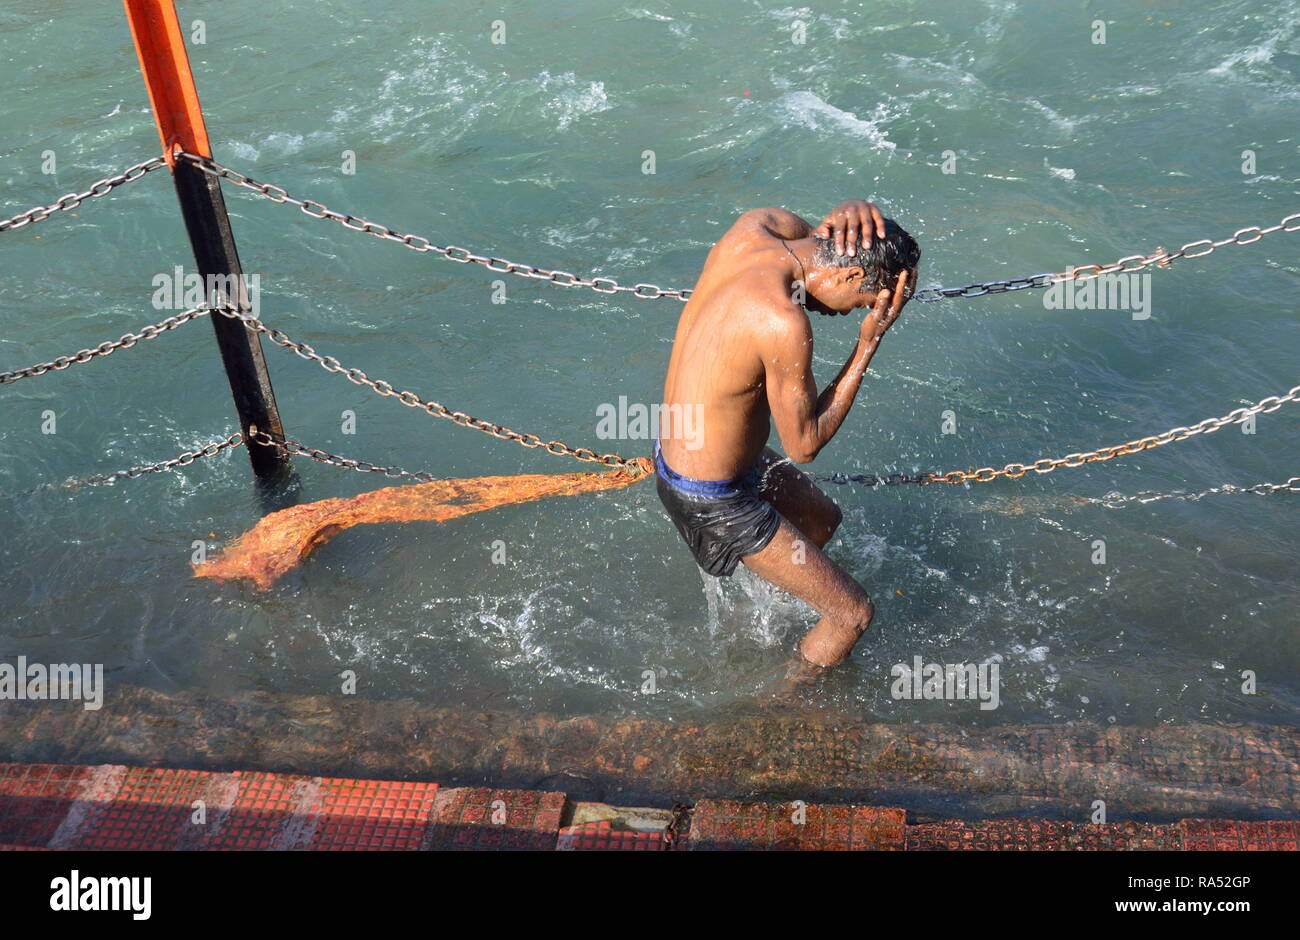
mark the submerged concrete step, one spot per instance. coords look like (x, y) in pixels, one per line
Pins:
(1167, 772)
(728, 825)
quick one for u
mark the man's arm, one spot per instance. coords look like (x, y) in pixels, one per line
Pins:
(806, 421)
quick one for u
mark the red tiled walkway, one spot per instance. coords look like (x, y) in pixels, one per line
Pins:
(54, 806)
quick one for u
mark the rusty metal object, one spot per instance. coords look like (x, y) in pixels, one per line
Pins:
(1161, 773)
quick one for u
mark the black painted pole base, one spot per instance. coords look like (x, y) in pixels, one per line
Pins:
(204, 211)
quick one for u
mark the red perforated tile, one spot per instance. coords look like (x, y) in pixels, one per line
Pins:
(1227, 835)
(113, 807)
(54, 781)
(34, 800)
(262, 812)
(1040, 835)
(152, 809)
(602, 836)
(371, 814)
(730, 825)
(479, 818)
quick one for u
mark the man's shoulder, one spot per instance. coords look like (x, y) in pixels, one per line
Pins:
(788, 318)
(764, 291)
(750, 230)
(777, 320)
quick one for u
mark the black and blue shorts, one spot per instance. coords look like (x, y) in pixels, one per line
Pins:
(721, 521)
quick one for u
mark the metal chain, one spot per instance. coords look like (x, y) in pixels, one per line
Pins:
(841, 478)
(72, 200)
(163, 466)
(1113, 500)
(1013, 471)
(330, 364)
(286, 446)
(296, 448)
(1119, 500)
(559, 448)
(412, 400)
(608, 285)
(603, 285)
(1127, 265)
(126, 341)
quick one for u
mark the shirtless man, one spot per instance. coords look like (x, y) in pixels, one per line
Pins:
(742, 358)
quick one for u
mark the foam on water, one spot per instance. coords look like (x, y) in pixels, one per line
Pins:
(1261, 53)
(572, 98)
(806, 109)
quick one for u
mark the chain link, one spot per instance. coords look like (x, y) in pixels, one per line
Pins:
(72, 200)
(291, 447)
(872, 479)
(296, 448)
(126, 341)
(1113, 500)
(559, 448)
(236, 439)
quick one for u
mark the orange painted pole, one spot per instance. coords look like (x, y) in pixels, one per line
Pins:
(160, 45)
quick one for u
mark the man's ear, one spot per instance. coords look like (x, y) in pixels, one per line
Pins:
(853, 276)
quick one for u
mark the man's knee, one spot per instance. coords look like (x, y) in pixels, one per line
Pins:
(833, 519)
(858, 617)
(826, 519)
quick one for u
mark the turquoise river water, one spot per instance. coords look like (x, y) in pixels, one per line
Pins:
(1063, 150)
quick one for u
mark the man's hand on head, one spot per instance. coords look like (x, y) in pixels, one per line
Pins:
(851, 222)
(889, 304)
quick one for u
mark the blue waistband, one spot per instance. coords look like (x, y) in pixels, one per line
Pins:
(702, 487)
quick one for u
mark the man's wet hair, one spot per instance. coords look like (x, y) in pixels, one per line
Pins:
(881, 263)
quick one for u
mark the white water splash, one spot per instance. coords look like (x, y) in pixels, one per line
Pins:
(807, 110)
(746, 605)
(1259, 54)
(573, 99)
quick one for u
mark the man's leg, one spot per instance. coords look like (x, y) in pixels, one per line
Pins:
(794, 563)
(798, 499)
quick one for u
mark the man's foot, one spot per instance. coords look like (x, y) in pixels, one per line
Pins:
(799, 675)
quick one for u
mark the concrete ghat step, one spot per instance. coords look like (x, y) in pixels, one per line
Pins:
(1163, 773)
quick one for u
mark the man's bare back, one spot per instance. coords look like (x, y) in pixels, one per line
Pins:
(742, 360)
